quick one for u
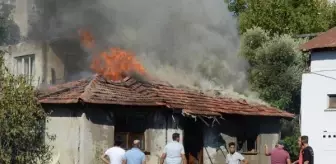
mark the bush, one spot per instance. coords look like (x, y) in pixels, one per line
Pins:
(276, 67)
(292, 146)
(291, 132)
(22, 121)
(275, 73)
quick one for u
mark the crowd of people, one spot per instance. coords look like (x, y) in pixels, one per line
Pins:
(278, 155)
(174, 153)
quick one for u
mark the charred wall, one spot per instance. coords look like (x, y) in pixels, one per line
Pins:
(217, 138)
(84, 132)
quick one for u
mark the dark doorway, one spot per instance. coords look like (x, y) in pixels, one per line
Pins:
(193, 140)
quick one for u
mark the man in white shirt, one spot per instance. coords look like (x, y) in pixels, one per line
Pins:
(174, 152)
(115, 154)
(234, 157)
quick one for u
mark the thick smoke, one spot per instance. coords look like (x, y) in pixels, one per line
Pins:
(191, 43)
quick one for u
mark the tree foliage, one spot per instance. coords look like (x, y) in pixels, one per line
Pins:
(285, 16)
(9, 31)
(22, 121)
(291, 141)
(275, 73)
(276, 67)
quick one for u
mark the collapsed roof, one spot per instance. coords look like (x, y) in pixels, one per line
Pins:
(130, 91)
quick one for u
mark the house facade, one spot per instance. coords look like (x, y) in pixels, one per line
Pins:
(318, 96)
(33, 53)
(88, 115)
(36, 60)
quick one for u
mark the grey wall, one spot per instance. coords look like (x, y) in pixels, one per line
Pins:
(80, 135)
(42, 72)
(161, 126)
(84, 132)
(269, 134)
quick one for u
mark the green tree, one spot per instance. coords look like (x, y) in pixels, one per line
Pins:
(275, 73)
(276, 67)
(9, 31)
(22, 121)
(291, 141)
(284, 16)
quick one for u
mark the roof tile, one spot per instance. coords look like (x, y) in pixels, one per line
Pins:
(323, 40)
(97, 90)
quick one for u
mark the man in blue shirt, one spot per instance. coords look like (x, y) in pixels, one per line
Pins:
(135, 155)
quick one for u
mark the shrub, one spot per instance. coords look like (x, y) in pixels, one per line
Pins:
(22, 121)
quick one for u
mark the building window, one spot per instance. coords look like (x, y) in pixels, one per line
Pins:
(248, 143)
(127, 139)
(53, 76)
(332, 100)
(25, 65)
(129, 127)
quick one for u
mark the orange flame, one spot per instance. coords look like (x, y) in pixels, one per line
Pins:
(114, 64)
(86, 38)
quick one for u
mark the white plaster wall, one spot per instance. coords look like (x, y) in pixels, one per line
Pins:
(316, 119)
(323, 61)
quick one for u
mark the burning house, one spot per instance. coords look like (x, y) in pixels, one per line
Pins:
(123, 102)
(90, 114)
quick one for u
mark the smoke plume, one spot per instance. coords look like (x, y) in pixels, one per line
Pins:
(192, 43)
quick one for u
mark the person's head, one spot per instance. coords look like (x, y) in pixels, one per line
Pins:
(136, 143)
(176, 137)
(281, 144)
(117, 143)
(299, 142)
(304, 140)
(232, 147)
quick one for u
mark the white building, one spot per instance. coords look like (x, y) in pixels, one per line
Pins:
(46, 61)
(318, 96)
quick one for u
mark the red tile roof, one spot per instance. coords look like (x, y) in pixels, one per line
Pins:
(323, 40)
(97, 90)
